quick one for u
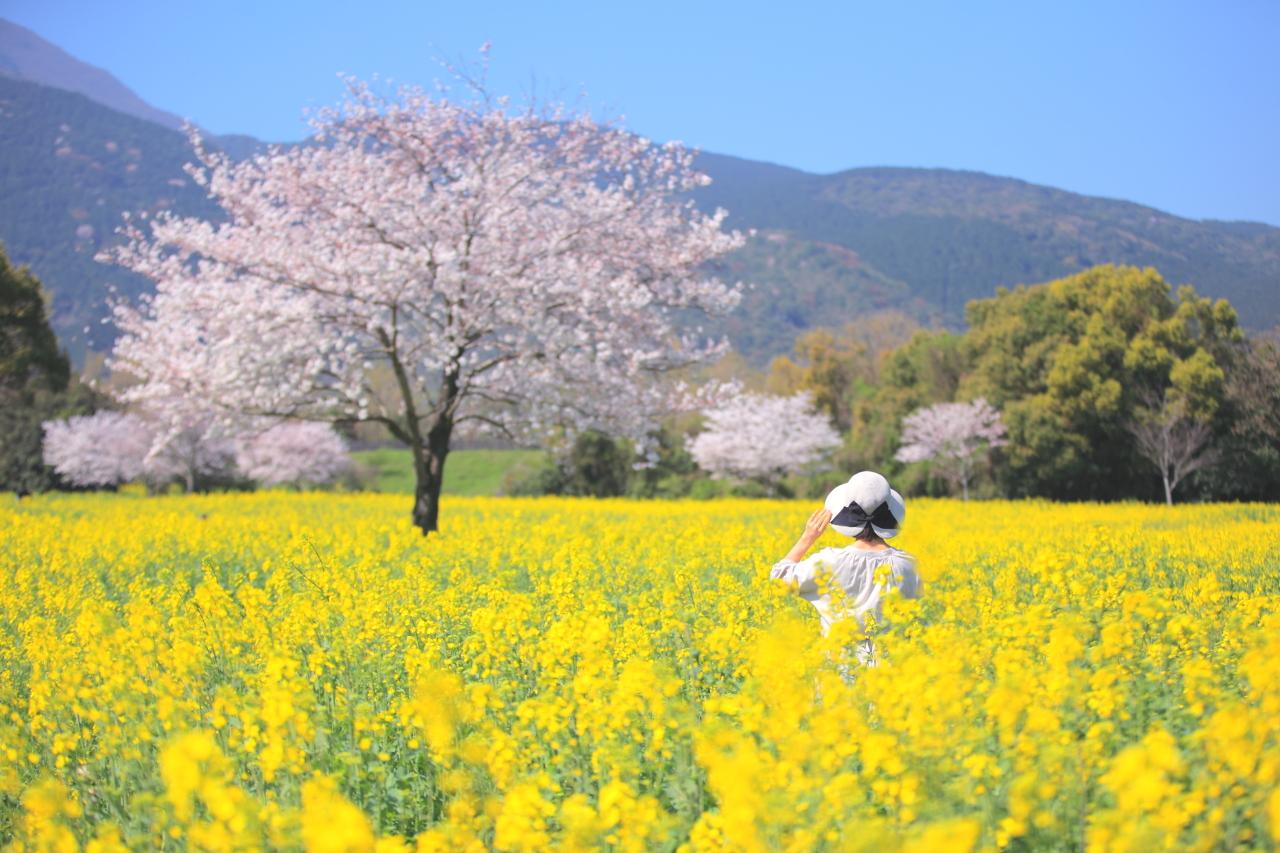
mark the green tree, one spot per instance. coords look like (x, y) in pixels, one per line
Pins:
(838, 367)
(30, 360)
(831, 366)
(598, 465)
(667, 469)
(35, 380)
(594, 465)
(1069, 363)
(1249, 448)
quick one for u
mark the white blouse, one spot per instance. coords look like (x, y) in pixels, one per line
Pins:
(852, 569)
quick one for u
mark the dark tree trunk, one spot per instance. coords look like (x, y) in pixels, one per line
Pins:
(428, 469)
(430, 451)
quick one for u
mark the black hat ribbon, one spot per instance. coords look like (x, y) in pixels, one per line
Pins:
(855, 516)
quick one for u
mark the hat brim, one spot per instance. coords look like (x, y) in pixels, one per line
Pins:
(840, 497)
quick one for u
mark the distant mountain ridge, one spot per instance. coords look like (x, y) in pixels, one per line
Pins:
(26, 56)
(827, 248)
(70, 168)
(950, 236)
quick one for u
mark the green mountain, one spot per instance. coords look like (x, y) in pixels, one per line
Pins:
(826, 248)
(26, 56)
(70, 168)
(932, 239)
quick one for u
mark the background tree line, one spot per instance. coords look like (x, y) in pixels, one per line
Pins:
(36, 381)
(1081, 368)
(1077, 366)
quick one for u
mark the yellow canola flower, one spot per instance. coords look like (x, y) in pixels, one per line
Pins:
(186, 765)
(330, 823)
(290, 670)
(48, 809)
(522, 823)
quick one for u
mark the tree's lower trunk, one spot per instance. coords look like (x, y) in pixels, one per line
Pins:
(426, 501)
(1168, 491)
(428, 470)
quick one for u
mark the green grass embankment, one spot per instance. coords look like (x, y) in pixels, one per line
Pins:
(466, 472)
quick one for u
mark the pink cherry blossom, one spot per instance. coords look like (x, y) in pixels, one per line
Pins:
(112, 448)
(292, 452)
(952, 436)
(758, 436)
(102, 449)
(431, 266)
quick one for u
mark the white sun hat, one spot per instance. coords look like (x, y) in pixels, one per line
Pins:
(866, 499)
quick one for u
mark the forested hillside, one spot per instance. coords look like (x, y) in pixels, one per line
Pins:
(827, 248)
(70, 168)
(950, 236)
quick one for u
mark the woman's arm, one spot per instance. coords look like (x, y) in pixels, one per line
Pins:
(790, 570)
(813, 530)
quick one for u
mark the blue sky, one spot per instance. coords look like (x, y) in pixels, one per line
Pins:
(1171, 104)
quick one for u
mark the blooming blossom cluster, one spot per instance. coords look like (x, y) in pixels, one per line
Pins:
(953, 436)
(292, 452)
(760, 436)
(102, 449)
(431, 265)
(111, 448)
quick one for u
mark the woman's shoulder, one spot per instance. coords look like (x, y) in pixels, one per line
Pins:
(903, 556)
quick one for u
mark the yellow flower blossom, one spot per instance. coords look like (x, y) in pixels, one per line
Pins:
(304, 670)
(330, 823)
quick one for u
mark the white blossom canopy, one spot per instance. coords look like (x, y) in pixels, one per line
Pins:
(292, 452)
(423, 260)
(760, 436)
(110, 448)
(950, 431)
(102, 449)
(952, 436)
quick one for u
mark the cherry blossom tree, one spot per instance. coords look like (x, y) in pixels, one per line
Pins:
(762, 437)
(511, 269)
(952, 436)
(189, 451)
(102, 449)
(292, 452)
(111, 448)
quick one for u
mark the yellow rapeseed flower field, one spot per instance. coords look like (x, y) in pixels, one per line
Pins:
(305, 671)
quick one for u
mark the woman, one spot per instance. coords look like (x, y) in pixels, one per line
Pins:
(861, 573)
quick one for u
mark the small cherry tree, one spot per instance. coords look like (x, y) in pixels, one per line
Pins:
(102, 449)
(505, 268)
(953, 437)
(292, 452)
(189, 450)
(111, 448)
(762, 437)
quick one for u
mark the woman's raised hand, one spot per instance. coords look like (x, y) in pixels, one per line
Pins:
(817, 524)
(813, 528)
